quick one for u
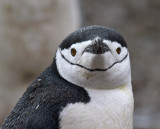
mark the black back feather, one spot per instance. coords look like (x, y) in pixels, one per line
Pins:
(40, 105)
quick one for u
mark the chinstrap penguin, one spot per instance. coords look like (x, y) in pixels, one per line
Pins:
(88, 86)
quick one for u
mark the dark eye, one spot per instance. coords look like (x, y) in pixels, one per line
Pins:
(118, 50)
(73, 52)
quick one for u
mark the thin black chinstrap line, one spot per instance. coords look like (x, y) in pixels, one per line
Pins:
(95, 69)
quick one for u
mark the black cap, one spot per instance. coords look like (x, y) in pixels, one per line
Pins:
(90, 33)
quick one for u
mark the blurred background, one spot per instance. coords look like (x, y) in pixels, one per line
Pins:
(31, 30)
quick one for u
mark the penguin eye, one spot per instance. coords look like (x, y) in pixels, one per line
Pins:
(118, 50)
(73, 52)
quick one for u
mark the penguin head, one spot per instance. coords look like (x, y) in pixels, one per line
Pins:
(94, 57)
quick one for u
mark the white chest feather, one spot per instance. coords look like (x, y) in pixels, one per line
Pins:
(108, 109)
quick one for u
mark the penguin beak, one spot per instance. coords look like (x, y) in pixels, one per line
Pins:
(97, 47)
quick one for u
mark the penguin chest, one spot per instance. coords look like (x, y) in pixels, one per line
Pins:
(106, 110)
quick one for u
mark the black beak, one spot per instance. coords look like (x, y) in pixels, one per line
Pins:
(97, 47)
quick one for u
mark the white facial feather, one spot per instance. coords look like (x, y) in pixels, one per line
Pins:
(77, 69)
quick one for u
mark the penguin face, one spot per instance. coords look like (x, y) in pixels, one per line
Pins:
(94, 57)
